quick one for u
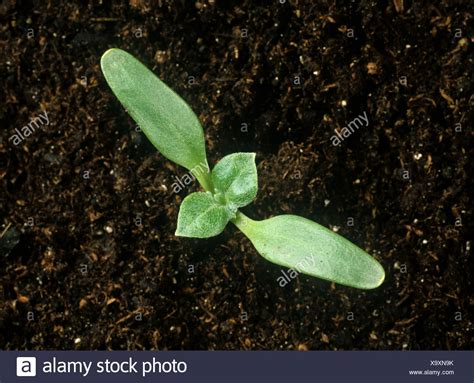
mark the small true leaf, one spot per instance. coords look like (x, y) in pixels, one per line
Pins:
(235, 177)
(201, 216)
(165, 118)
(312, 249)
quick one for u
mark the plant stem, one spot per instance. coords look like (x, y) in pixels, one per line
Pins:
(204, 179)
(244, 223)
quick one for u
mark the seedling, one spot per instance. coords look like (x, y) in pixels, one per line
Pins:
(287, 240)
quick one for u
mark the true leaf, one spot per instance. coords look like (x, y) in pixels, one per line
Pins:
(312, 249)
(201, 216)
(235, 178)
(165, 118)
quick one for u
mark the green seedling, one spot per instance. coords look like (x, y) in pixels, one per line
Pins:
(287, 240)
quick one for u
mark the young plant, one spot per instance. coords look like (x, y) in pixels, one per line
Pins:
(287, 240)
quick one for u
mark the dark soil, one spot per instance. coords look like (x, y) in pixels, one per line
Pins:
(88, 256)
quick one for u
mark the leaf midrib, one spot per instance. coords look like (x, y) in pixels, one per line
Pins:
(203, 213)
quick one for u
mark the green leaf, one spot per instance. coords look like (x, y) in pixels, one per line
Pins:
(201, 216)
(312, 249)
(165, 118)
(235, 179)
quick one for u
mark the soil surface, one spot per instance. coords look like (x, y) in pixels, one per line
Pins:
(88, 256)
